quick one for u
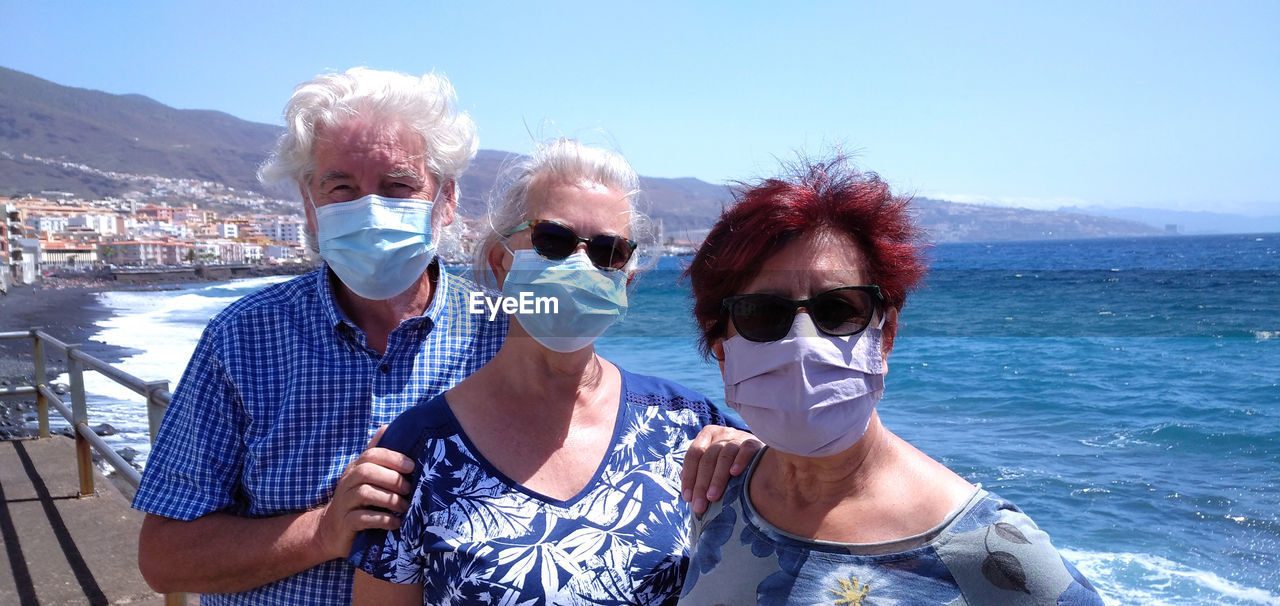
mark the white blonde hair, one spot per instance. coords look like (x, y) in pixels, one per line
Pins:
(566, 160)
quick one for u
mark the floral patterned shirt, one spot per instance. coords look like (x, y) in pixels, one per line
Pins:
(473, 536)
(986, 552)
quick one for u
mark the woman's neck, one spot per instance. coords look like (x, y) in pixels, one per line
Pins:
(815, 480)
(526, 379)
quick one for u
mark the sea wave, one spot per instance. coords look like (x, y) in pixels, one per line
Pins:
(1140, 578)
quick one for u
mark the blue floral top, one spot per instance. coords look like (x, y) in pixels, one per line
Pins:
(474, 536)
(986, 552)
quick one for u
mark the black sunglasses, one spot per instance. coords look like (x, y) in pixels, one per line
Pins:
(838, 312)
(556, 241)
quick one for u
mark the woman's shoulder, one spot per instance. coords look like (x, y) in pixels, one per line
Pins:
(645, 390)
(429, 418)
(638, 386)
(995, 551)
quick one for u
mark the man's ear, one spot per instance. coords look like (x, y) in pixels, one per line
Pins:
(308, 208)
(446, 204)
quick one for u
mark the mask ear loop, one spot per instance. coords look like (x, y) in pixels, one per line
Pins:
(883, 316)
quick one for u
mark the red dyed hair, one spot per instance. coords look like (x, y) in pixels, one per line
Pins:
(830, 196)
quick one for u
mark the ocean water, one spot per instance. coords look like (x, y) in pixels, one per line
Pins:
(1124, 393)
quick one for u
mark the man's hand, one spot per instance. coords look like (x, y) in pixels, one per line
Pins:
(223, 553)
(717, 453)
(369, 494)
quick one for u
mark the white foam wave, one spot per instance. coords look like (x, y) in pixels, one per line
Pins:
(163, 326)
(1139, 578)
(247, 284)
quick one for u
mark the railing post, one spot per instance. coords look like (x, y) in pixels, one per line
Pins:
(42, 403)
(80, 416)
(155, 412)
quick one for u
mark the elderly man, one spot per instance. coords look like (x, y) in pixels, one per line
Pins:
(257, 482)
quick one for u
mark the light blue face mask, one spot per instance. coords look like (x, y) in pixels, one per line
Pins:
(377, 246)
(588, 300)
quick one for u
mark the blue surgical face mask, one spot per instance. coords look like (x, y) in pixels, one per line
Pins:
(377, 246)
(588, 300)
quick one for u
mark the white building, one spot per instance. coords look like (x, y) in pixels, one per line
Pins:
(221, 251)
(157, 229)
(105, 225)
(280, 253)
(48, 224)
(252, 253)
(25, 263)
(208, 251)
(284, 229)
(228, 230)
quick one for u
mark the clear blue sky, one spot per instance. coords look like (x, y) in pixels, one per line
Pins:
(1134, 103)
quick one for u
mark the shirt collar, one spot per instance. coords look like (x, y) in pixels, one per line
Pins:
(435, 312)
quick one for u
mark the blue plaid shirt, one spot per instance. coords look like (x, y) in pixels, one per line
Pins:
(282, 392)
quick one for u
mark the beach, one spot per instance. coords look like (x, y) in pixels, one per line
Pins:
(67, 308)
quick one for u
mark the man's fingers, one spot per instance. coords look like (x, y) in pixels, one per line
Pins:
(365, 519)
(368, 473)
(377, 435)
(372, 496)
(383, 457)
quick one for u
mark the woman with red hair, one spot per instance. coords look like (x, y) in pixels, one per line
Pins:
(797, 292)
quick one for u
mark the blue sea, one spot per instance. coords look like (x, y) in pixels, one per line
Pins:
(1124, 393)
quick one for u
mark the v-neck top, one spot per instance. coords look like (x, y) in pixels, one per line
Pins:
(472, 535)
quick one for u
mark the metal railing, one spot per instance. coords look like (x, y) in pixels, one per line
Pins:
(156, 394)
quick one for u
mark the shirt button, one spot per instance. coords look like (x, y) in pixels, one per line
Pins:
(385, 368)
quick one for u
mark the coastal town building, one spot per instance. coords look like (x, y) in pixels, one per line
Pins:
(19, 250)
(41, 235)
(148, 252)
(284, 229)
(68, 254)
(26, 260)
(6, 211)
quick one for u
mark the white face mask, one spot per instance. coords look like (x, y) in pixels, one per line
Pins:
(807, 394)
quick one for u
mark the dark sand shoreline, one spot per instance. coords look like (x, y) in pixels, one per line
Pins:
(67, 309)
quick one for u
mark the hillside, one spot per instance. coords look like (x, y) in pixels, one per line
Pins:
(119, 133)
(954, 222)
(92, 145)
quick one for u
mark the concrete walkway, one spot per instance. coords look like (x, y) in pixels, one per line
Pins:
(58, 547)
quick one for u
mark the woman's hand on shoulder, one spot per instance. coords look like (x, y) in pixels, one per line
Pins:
(716, 454)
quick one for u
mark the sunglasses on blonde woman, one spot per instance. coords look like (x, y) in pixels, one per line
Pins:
(556, 241)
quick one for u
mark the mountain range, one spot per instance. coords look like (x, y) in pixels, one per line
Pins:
(89, 144)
